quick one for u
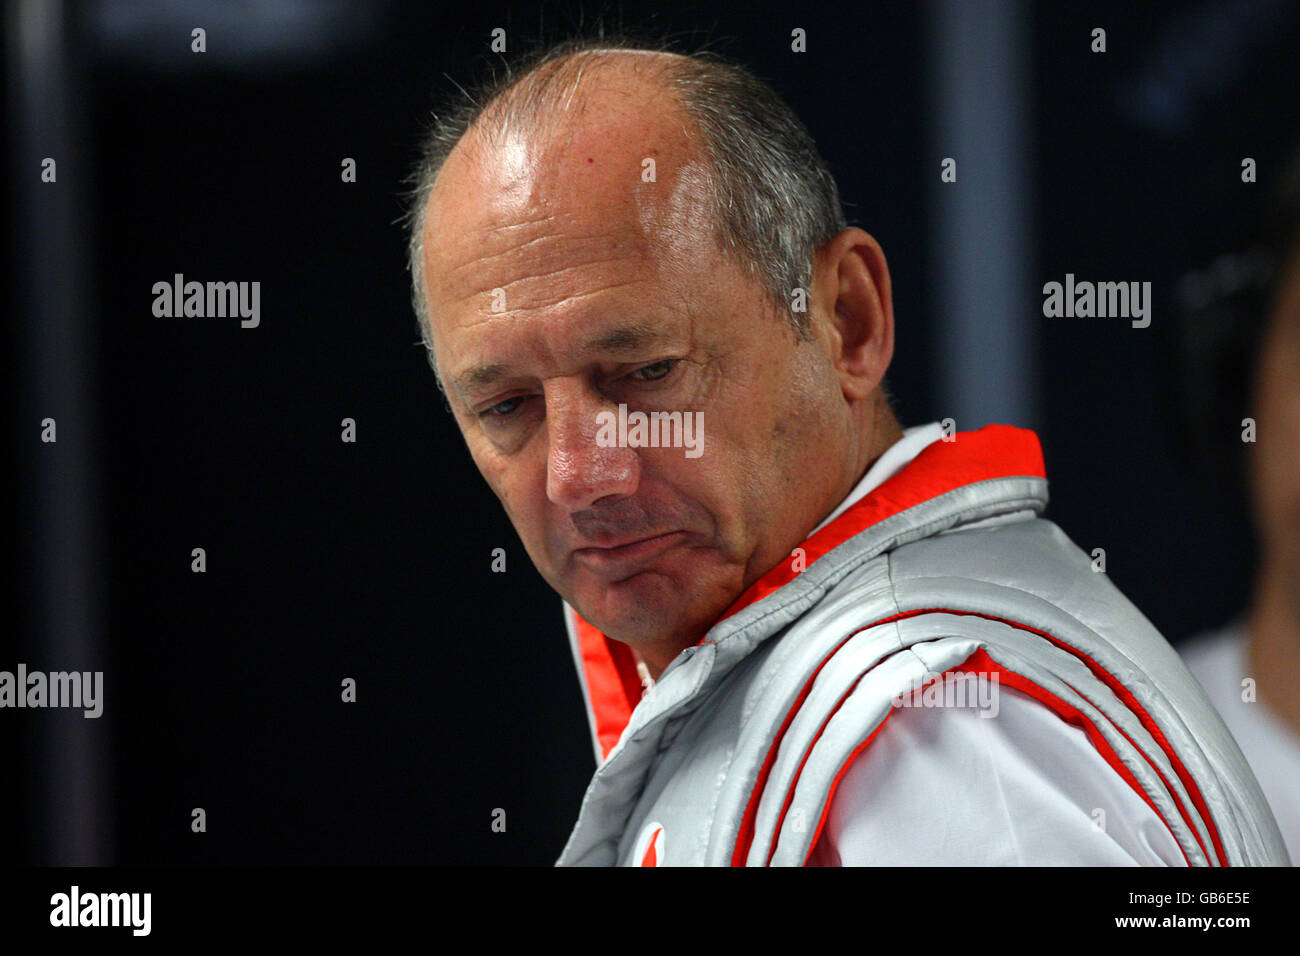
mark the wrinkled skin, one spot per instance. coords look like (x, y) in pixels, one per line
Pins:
(611, 290)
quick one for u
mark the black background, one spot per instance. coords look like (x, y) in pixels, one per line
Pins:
(372, 560)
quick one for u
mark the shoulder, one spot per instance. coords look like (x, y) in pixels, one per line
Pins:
(965, 783)
(1084, 680)
(1217, 660)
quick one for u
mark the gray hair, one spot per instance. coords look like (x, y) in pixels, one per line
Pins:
(774, 200)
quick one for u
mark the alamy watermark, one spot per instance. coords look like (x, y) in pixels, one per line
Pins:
(1102, 300)
(57, 689)
(651, 430)
(208, 300)
(974, 689)
(75, 908)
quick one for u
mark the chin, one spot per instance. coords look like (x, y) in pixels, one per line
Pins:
(645, 608)
(643, 595)
(682, 593)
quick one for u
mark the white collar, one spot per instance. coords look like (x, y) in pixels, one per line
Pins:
(887, 465)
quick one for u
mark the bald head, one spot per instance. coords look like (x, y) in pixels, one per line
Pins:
(616, 171)
(556, 90)
(770, 200)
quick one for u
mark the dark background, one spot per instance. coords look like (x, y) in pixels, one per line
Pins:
(372, 560)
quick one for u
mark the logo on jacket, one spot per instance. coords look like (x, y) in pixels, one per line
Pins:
(649, 847)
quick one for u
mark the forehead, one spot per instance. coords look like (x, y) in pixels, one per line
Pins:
(616, 167)
(612, 198)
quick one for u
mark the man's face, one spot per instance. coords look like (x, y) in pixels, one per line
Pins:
(561, 285)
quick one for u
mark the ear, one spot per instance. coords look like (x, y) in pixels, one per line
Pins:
(852, 291)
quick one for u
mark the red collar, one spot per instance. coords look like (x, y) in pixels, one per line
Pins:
(994, 451)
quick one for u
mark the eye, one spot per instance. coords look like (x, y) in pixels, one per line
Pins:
(502, 409)
(652, 373)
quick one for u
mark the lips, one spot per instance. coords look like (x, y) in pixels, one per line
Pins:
(624, 560)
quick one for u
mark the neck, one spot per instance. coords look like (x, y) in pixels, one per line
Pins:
(885, 431)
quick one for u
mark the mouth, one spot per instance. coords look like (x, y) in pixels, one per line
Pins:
(624, 560)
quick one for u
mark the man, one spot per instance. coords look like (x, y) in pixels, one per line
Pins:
(614, 233)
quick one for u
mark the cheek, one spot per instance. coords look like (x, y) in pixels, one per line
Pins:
(710, 483)
(805, 415)
(757, 455)
(513, 486)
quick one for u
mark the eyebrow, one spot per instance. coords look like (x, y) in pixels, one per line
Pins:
(619, 341)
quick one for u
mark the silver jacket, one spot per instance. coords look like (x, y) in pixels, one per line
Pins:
(732, 757)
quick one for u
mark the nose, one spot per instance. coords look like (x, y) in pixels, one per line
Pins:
(580, 470)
